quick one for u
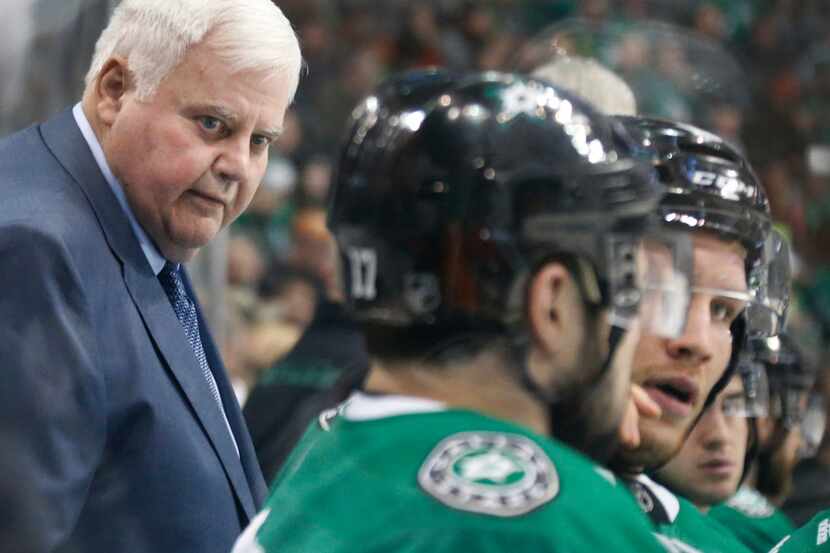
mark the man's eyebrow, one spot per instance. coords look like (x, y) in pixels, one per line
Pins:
(271, 134)
(219, 111)
(232, 118)
(719, 281)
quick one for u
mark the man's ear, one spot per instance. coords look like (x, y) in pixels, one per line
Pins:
(551, 306)
(111, 85)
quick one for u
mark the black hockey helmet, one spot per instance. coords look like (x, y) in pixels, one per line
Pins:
(711, 186)
(450, 190)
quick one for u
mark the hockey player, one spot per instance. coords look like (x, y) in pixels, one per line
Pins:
(708, 469)
(727, 447)
(739, 288)
(493, 236)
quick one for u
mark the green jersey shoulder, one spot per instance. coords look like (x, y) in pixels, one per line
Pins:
(813, 536)
(752, 519)
(400, 475)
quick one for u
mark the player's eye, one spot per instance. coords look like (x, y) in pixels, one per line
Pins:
(211, 124)
(720, 312)
(260, 140)
(725, 311)
(734, 406)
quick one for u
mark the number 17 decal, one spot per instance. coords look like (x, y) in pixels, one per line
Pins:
(364, 266)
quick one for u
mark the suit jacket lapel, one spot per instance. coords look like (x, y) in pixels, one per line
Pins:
(65, 140)
(169, 336)
(253, 472)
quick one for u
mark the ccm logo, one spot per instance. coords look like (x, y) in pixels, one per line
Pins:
(730, 187)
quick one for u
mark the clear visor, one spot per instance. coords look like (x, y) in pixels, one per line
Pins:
(769, 286)
(765, 301)
(789, 407)
(649, 281)
(755, 400)
(813, 424)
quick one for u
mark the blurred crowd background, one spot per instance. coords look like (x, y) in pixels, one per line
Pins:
(754, 71)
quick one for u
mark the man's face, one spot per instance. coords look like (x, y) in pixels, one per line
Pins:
(708, 468)
(678, 373)
(191, 157)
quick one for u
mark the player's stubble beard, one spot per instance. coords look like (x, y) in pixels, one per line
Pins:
(652, 453)
(588, 417)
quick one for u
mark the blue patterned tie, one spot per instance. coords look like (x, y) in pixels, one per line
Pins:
(171, 280)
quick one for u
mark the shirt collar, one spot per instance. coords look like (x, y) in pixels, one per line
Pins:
(151, 252)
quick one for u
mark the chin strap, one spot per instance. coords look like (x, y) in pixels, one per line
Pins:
(753, 448)
(519, 354)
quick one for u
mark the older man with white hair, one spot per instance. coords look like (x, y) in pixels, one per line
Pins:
(121, 423)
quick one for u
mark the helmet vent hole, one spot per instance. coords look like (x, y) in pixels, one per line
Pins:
(708, 150)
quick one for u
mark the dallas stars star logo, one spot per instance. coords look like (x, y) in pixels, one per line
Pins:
(495, 473)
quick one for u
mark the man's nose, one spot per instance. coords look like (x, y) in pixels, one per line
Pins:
(714, 427)
(231, 164)
(694, 346)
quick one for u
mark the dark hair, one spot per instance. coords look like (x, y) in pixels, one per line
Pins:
(429, 345)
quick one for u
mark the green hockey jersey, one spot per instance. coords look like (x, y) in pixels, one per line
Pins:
(677, 518)
(812, 537)
(753, 519)
(394, 474)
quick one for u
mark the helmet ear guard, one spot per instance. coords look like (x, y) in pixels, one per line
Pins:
(769, 282)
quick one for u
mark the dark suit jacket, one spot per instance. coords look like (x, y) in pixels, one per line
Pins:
(106, 421)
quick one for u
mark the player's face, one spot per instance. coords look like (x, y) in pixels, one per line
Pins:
(708, 468)
(678, 373)
(191, 157)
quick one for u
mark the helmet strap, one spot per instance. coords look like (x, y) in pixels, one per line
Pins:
(558, 405)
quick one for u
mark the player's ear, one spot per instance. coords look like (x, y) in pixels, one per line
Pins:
(553, 307)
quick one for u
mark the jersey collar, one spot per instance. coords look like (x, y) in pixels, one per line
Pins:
(363, 407)
(667, 499)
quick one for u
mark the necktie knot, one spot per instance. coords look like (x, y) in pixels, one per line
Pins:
(171, 280)
(169, 271)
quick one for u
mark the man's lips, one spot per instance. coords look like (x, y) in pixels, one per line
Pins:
(218, 200)
(676, 395)
(720, 467)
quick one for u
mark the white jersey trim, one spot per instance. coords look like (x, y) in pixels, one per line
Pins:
(364, 407)
(667, 499)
